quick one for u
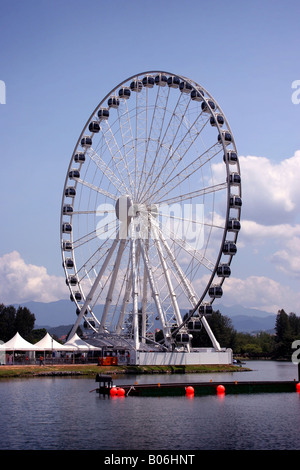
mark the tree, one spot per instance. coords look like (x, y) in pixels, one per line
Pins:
(13, 321)
(287, 328)
(222, 329)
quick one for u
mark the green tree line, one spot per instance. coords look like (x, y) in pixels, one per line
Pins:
(277, 345)
(18, 320)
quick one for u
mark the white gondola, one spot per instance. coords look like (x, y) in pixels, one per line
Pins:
(229, 248)
(103, 114)
(173, 81)
(69, 263)
(226, 137)
(113, 102)
(148, 81)
(88, 324)
(79, 157)
(235, 202)
(233, 225)
(94, 127)
(70, 191)
(66, 227)
(217, 119)
(183, 338)
(124, 92)
(161, 80)
(71, 281)
(235, 179)
(215, 292)
(194, 324)
(185, 87)
(74, 173)
(76, 296)
(67, 209)
(197, 95)
(86, 141)
(67, 245)
(136, 85)
(223, 270)
(205, 309)
(231, 157)
(208, 106)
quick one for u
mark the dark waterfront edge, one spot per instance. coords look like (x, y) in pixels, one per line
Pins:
(90, 370)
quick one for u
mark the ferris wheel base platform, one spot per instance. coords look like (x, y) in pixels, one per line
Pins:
(201, 356)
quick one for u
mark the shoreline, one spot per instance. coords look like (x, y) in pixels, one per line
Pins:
(90, 370)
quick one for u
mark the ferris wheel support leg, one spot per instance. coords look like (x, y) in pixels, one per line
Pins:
(94, 287)
(134, 295)
(168, 279)
(155, 295)
(190, 293)
(113, 281)
(124, 303)
(144, 299)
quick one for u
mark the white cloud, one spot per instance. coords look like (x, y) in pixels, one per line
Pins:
(287, 259)
(21, 282)
(261, 292)
(271, 191)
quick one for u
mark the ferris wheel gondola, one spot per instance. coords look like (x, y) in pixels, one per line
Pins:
(151, 210)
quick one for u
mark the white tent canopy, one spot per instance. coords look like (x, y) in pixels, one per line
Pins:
(17, 343)
(49, 344)
(77, 344)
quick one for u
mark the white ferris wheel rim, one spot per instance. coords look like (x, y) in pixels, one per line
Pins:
(138, 191)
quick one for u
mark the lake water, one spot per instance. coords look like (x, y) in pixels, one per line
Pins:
(64, 414)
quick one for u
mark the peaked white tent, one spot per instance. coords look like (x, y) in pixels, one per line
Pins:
(17, 343)
(48, 344)
(79, 345)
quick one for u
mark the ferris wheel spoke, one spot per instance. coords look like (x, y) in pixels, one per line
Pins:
(167, 141)
(97, 189)
(90, 295)
(191, 251)
(120, 164)
(107, 172)
(186, 172)
(193, 194)
(155, 133)
(127, 139)
(176, 155)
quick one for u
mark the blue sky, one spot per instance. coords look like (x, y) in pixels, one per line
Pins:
(60, 58)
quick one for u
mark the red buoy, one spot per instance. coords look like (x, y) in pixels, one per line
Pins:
(298, 387)
(220, 389)
(189, 390)
(120, 392)
(113, 391)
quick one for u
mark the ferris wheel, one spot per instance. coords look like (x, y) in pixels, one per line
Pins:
(151, 211)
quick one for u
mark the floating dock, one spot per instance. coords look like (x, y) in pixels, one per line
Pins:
(196, 389)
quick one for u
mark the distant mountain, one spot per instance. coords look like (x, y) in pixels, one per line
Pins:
(248, 320)
(63, 312)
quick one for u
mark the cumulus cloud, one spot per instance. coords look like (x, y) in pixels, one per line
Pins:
(261, 292)
(21, 282)
(287, 259)
(270, 190)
